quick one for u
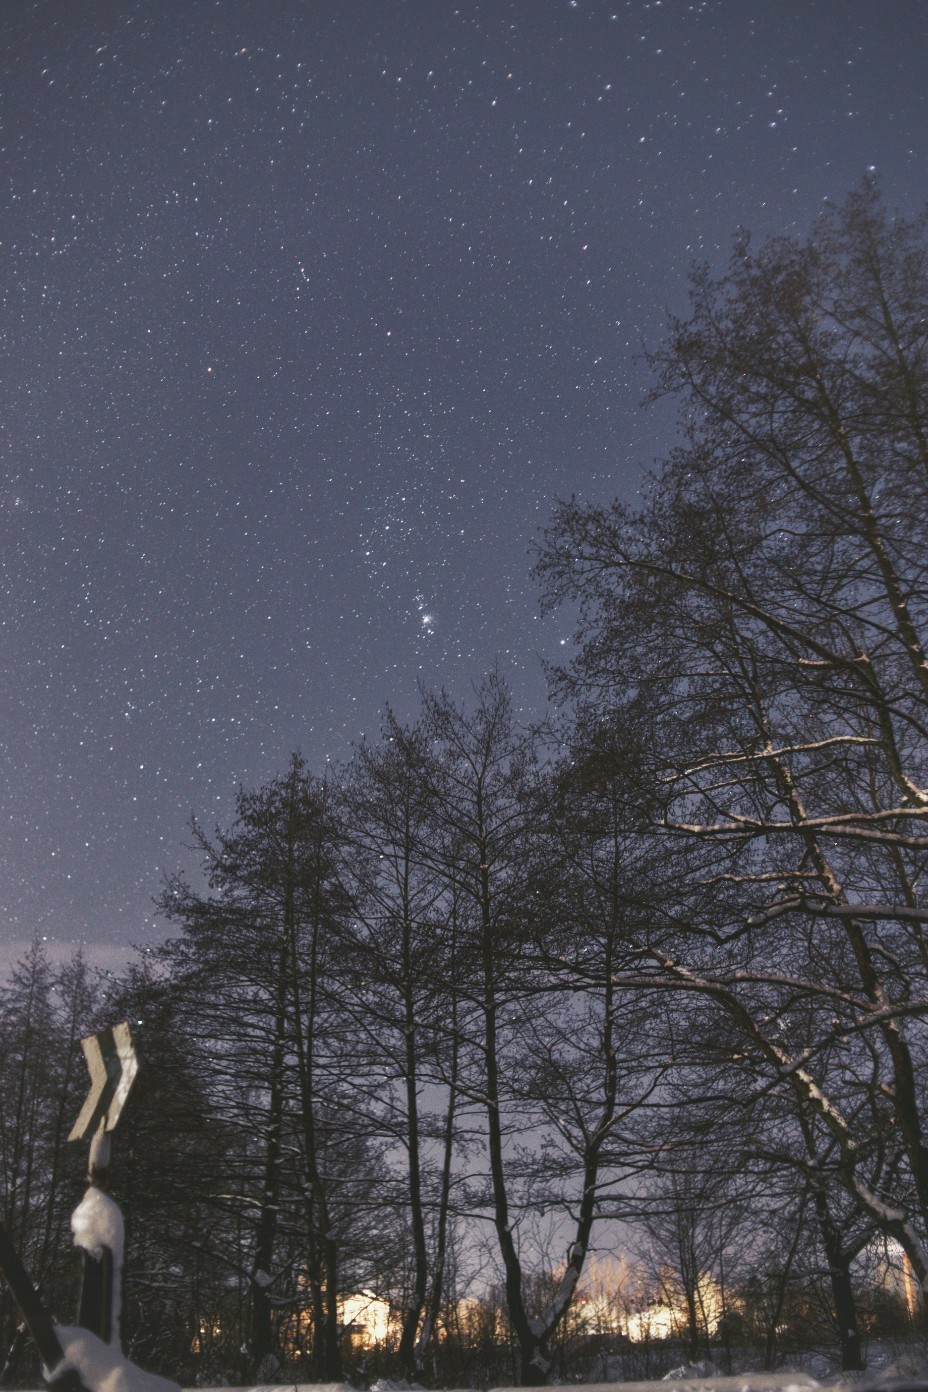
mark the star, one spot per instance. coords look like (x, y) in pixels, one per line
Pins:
(232, 514)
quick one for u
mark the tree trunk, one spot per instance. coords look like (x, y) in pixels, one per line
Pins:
(262, 1338)
(839, 1274)
(413, 1314)
(444, 1197)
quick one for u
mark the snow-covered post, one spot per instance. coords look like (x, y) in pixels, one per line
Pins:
(97, 1227)
(88, 1357)
(93, 1356)
(97, 1222)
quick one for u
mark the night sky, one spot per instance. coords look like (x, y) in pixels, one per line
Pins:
(310, 312)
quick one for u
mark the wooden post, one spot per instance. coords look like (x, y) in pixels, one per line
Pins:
(112, 1065)
(95, 1304)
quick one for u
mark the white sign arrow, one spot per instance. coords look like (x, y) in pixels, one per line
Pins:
(112, 1065)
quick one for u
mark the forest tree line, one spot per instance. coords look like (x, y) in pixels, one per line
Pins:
(440, 1022)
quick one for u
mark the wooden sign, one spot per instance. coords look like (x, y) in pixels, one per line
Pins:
(112, 1065)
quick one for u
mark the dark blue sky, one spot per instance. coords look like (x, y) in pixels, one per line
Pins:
(310, 312)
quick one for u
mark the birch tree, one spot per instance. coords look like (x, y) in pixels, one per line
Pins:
(767, 605)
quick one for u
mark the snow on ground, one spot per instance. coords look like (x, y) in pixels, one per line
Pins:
(382, 1385)
(889, 1366)
(786, 1380)
(290, 1387)
(104, 1370)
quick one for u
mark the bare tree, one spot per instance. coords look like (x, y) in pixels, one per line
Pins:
(541, 1061)
(258, 964)
(43, 1013)
(405, 1000)
(762, 616)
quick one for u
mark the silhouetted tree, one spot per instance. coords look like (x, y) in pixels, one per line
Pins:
(766, 605)
(258, 964)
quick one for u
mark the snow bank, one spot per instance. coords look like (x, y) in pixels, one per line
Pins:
(295, 1387)
(786, 1380)
(101, 1367)
(395, 1385)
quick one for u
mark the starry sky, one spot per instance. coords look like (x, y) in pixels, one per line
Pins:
(310, 312)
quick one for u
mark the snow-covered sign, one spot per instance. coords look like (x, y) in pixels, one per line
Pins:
(112, 1065)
